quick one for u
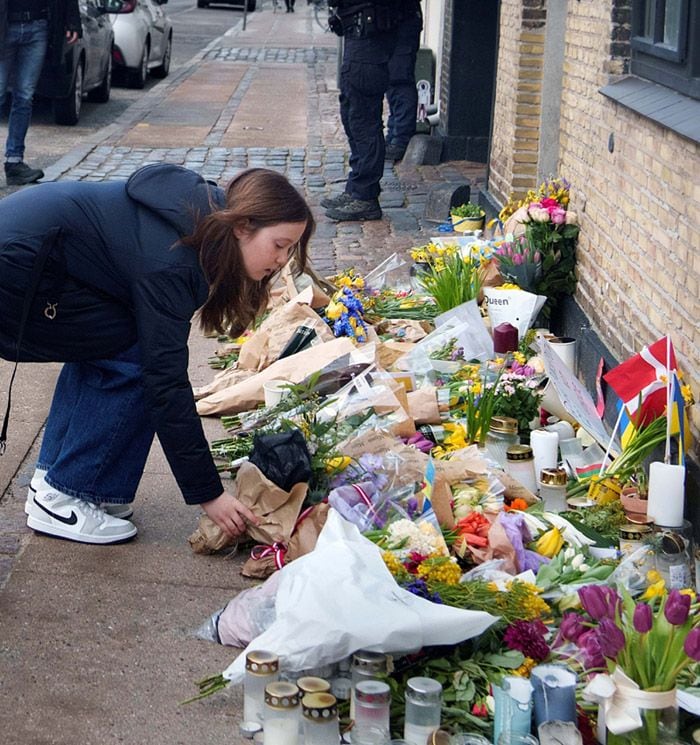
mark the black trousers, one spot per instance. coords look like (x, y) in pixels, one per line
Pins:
(402, 93)
(364, 79)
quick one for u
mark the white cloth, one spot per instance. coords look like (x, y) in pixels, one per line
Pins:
(341, 597)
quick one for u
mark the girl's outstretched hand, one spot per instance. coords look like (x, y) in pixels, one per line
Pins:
(230, 514)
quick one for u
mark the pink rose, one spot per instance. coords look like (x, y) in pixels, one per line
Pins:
(558, 216)
(550, 204)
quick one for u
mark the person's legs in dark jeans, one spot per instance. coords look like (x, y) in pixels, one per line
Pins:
(402, 93)
(22, 58)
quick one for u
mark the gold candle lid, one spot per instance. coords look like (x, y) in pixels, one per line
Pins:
(311, 684)
(281, 695)
(319, 707)
(261, 663)
(553, 477)
(519, 452)
(506, 424)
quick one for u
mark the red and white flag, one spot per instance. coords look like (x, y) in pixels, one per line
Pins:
(644, 378)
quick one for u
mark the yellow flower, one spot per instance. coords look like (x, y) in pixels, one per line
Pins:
(440, 569)
(334, 310)
(520, 358)
(657, 586)
(339, 463)
(392, 563)
(524, 670)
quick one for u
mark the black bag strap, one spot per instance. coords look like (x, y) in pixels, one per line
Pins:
(49, 242)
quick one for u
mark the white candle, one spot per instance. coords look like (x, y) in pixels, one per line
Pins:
(666, 494)
(545, 449)
(281, 731)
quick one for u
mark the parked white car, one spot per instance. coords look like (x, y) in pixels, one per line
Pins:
(143, 39)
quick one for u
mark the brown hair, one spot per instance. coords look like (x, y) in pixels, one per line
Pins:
(257, 198)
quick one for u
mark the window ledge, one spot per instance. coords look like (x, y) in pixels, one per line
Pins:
(659, 104)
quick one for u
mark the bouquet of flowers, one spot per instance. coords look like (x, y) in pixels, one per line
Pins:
(644, 647)
(452, 279)
(450, 352)
(346, 313)
(520, 262)
(518, 395)
(551, 230)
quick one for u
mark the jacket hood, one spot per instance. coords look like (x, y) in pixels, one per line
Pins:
(176, 194)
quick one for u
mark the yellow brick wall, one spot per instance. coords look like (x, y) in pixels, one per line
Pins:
(639, 247)
(513, 160)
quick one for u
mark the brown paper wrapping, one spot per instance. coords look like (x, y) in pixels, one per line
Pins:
(303, 541)
(247, 394)
(388, 353)
(462, 466)
(408, 330)
(423, 406)
(277, 509)
(515, 490)
(223, 379)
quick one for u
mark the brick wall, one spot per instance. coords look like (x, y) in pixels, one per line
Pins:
(515, 140)
(639, 248)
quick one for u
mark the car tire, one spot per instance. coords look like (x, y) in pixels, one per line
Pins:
(138, 75)
(164, 67)
(102, 92)
(67, 110)
(202, 3)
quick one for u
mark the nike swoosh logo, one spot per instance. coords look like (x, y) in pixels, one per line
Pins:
(72, 520)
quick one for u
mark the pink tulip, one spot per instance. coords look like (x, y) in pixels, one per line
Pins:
(537, 257)
(518, 259)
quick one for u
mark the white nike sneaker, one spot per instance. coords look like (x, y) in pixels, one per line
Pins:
(38, 483)
(61, 515)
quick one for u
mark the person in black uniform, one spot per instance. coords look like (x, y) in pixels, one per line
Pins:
(402, 94)
(370, 33)
(27, 29)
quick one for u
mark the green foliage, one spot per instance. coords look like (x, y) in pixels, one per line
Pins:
(453, 281)
(467, 210)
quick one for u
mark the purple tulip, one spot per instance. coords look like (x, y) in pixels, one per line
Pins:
(611, 638)
(691, 646)
(642, 618)
(571, 627)
(677, 608)
(589, 644)
(599, 601)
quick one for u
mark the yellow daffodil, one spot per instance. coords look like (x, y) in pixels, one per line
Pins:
(339, 463)
(334, 310)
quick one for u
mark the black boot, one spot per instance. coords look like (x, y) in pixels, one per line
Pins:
(18, 174)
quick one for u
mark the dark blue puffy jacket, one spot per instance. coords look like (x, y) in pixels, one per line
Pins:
(115, 274)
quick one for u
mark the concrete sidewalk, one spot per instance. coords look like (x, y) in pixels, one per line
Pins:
(96, 643)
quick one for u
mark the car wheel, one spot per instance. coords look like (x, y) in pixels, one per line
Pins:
(103, 90)
(137, 76)
(67, 110)
(164, 67)
(202, 3)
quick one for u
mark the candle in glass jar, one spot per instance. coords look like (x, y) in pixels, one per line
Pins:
(261, 668)
(505, 338)
(281, 718)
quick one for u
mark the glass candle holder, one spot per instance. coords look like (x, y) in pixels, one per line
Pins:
(261, 668)
(281, 716)
(365, 666)
(520, 464)
(372, 701)
(552, 487)
(423, 705)
(320, 719)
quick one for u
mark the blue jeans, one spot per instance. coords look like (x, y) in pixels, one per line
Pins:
(21, 59)
(98, 434)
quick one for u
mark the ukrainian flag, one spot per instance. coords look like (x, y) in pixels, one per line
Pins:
(680, 426)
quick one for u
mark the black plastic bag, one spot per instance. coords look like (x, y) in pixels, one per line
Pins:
(284, 458)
